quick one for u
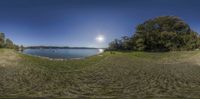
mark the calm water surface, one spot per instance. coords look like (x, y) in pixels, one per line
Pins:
(63, 53)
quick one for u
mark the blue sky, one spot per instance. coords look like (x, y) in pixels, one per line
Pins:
(79, 22)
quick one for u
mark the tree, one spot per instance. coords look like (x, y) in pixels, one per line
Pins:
(165, 33)
(126, 43)
(121, 44)
(2, 40)
(9, 44)
(115, 45)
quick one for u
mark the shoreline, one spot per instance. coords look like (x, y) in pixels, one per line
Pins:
(59, 59)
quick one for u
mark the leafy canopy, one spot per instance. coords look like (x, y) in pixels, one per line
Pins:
(165, 33)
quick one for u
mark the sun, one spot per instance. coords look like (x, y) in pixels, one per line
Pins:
(100, 38)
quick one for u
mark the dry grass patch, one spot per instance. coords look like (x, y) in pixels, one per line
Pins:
(120, 75)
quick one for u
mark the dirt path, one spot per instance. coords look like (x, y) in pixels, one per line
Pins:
(8, 58)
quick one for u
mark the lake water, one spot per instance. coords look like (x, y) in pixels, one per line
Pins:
(63, 53)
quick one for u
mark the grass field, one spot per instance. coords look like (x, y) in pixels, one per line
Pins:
(170, 75)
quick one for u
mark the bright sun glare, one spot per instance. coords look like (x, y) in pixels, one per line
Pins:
(100, 38)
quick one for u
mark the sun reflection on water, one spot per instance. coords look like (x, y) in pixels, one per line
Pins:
(101, 50)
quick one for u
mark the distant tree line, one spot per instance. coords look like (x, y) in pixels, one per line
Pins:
(165, 33)
(7, 43)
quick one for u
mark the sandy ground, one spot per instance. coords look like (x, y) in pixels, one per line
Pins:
(9, 58)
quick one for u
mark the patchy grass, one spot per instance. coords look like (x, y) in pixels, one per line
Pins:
(121, 75)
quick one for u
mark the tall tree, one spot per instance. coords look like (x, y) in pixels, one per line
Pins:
(9, 44)
(165, 33)
(2, 40)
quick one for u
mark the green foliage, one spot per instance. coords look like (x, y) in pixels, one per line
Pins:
(115, 45)
(121, 44)
(165, 33)
(2, 40)
(7, 43)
